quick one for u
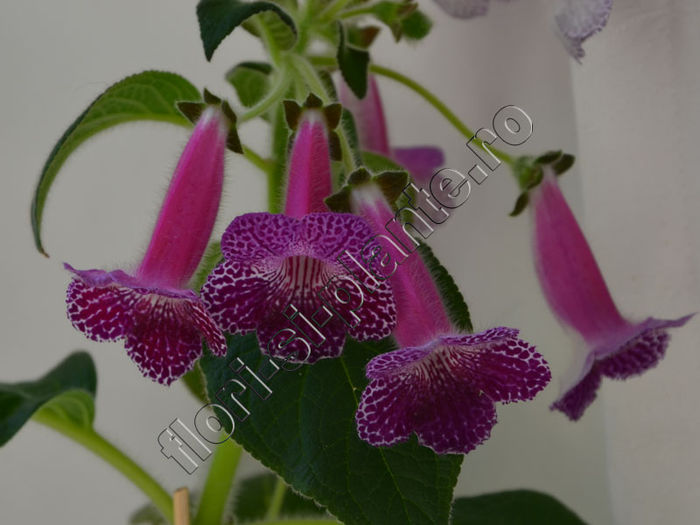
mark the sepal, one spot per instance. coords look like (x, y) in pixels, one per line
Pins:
(529, 172)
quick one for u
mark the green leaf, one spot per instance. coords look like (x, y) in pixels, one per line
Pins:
(150, 95)
(218, 18)
(353, 63)
(254, 495)
(67, 392)
(515, 507)
(251, 80)
(452, 298)
(305, 431)
(377, 163)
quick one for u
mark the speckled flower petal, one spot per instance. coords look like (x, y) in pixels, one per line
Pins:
(637, 354)
(162, 328)
(101, 313)
(444, 391)
(500, 365)
(256, 236)
(420, 161)
(577, 20)
(163, 341)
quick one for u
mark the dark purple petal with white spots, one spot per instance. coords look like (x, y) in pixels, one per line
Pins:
(257, 236)
(162, 329)
(293, 281)
(500, 365)
(577, 20)
(445, 390)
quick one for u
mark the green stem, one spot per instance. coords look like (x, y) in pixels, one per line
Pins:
(99, 446)
(332, 9)
(270, 99)
(256, 159)
(310, 76)
(269, 41)
(273, 510)
(218, 484)
(433, 100)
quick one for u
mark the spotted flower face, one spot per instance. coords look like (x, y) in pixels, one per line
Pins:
(572, 283)
(420, 161)
(440, 384)
(284, 276)
(576, 20)
(445, 391)
(161, 322)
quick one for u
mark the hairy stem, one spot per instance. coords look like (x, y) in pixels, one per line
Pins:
(218, 484)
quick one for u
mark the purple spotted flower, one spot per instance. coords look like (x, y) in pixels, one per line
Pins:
(614, 346)
(420, 161)
(294, 278)
(440, 384)
(576, 20)
(161, 321)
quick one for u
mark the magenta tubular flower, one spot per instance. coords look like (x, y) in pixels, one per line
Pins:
(162, 322)
(576, 292)
(294, 278)
(440, 384)
(309, 180)
(576, 20)
(420, 161)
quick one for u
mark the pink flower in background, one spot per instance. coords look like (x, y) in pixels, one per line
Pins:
(614, 346)
(420, 161)
(440, 384)
(576, 20)
(299, 266)
(161, 321)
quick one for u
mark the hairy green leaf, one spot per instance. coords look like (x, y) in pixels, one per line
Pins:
(218, 18)
(251, 80)
(305, 431)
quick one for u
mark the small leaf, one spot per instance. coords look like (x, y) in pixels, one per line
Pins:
(563, 164)
(67, 391)
(548, 157)
(151, 95)
(254, 495)
(306, 432)
(376, 162)
(251, 80)
(452, 298)
(416, 25)
(353, 63)
(520, 204)
(514, 507)
(218, 18)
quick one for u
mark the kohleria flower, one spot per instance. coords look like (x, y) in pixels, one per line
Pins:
(613, 346)
(294, 278)
(420, 161)
(440, 384)
(161, 321)
(576, 20)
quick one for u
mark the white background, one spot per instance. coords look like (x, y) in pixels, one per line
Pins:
(630, 113)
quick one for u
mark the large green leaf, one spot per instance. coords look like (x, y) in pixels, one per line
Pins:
(514, 507)
(218, 18)
(150, 95)
(254, 496)
(66, 392)
(306, 432)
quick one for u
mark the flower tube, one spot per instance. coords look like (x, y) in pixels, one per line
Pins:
(161, 321)
(573, 285)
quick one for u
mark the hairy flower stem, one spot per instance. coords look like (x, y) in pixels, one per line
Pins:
(99, 446)
(273, 510)
(218, 484)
